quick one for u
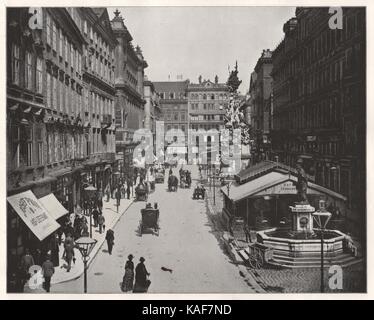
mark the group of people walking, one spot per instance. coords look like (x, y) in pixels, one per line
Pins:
(141, 275)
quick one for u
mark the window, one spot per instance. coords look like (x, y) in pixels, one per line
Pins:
(28, 70)
(39, 75)
(54, 93)
(39, 144)
(26, 146)
(62, 94)
(176, 117)
(71, 56)
(183, 117)
(15, 63)
(48, 27)
(67, 103)
(15, 145)
(204, 96)
(85, 27)
(54, 37)
(171, 95)
(49, 90)
(60, 42)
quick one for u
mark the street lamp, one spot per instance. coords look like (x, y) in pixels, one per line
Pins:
(85, 246)
(90, 192)
(322, 217)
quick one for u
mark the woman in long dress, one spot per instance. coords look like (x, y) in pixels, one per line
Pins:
(128, 278)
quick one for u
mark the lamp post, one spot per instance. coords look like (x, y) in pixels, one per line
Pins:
(322, 217)
(85, 246)
(90, 192)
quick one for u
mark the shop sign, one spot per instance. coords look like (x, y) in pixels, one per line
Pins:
(33, 214)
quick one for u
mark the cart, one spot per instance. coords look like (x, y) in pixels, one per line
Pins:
(198, 193)
(150, 217)
(258, 254)
(141, 192)
(160, 176)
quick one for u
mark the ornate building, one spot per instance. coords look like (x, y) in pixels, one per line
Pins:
(152, 107)
(319, 101)
(206, 104)
(260, 91)
(129, 85)
(60, 96)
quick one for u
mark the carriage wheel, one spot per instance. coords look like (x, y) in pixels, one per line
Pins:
(252, 261)
(259, 260)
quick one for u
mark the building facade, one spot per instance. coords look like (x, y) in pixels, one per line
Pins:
(319, 101)
(261, 92)
(152, 109)
(174, 104)
(59, 134)
(129, 85)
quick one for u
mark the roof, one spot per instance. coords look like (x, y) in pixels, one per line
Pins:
(263, 167)
(170, 86)
(274, 182)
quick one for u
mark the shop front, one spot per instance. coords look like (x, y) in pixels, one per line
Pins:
(264, 201)
(29, 225)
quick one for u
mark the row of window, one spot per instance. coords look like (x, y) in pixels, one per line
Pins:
(60, 43)
(209, 96)
(205, 127)
(324, 148)
(60, 146)
(172, 95)
(26, 69)
(176, 116)
(325, 114)
(207, 117)
(65, 99)
(207, 106)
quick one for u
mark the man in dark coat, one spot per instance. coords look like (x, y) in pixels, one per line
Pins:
(110, 240)
(141, 273)
(95, 216)
(48, 270)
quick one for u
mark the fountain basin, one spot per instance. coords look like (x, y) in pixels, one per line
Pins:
(285, 243)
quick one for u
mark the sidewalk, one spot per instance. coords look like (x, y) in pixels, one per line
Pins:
(111, 218)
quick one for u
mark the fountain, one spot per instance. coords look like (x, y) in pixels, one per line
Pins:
(300, 244)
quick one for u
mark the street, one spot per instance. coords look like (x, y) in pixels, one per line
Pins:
(186, 244)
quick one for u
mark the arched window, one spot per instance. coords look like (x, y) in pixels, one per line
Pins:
(212, 97)
(204, 96)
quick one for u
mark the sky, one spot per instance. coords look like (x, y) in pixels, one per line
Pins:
(206, 41)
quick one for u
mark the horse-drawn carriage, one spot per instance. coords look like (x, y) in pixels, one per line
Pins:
(150, 218)
(172, 183)
(199, 192)
(185, 178)
(141, 192)
(159, 175)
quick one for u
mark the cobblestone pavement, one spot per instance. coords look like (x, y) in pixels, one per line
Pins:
(303, 280)
(307, 280)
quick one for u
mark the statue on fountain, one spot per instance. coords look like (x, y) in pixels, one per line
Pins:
(302, 183)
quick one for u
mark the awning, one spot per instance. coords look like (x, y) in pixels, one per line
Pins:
(274, 183)
(53, 206)
(33, 214)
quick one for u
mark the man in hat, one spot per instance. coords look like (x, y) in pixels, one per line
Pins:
(141, 273)
(109, 237)
(48, 270)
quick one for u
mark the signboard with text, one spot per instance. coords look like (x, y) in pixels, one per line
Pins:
(33, 214)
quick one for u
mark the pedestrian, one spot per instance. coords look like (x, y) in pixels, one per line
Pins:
(100, 201)
(48, 270)
(101, 221)
(55, 250)
(128, 278)
(95, 216)
(128, 191)
(107, 191)
(118, 197)
(141, 281)
(27, 261)
(85, 232)
(68, 254)
(247, 233)
(110, 240)
(170, 172)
